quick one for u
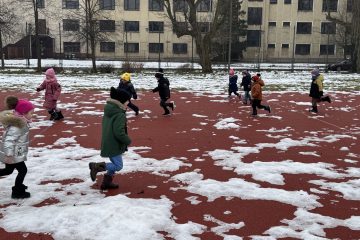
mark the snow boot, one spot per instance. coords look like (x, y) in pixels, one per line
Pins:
(95, 168)
(314, 109)
(58, 116)
(107, 183)
(53, 115)
(172, 105)
(326, 99)
(268, 108)
(19, 192)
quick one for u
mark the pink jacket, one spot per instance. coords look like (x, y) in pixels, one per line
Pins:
(52, 89)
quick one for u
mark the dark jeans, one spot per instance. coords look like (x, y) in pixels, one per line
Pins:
(20, 167)
(133, 107)
(256, 103)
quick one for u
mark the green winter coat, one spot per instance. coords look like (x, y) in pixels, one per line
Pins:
(114, 139)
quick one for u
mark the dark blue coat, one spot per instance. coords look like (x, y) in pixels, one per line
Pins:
(163, 88)
(246, 82)
(233, 87)
(129, 88)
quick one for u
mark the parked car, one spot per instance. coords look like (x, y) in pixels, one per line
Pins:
(340, 66)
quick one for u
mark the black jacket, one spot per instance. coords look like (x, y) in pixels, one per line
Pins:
(246, 82)
(163, 88)
(129, 88)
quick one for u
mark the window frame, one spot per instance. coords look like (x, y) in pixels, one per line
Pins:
(303, 28)
(152, 5)
(128, 25)
(255, 16)
(305, 5)
(152, 28)
(302, 52)
(73, 3)
(110, 25)
(68, 25)
(106, 49)
(179, 47)
(128, 6)
(78, 46)
(153, 49)
(128, 44)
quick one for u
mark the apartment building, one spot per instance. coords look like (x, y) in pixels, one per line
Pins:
(278, 30)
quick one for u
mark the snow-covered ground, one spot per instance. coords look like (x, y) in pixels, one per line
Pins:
(215, 83)
(86, 213)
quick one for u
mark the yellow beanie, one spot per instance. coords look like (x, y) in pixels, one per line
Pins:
(125, 76)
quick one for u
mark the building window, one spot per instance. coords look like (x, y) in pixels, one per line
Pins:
(70, 4)
(132, 5)
(348, 49)
(156, 5)
(131, 47)
(327, 49)
(254, 16)
(181, 26)
(204, 27)
(179, 48)
(40, 3)
(328, 28)
(107, 46)
(271, 45)
(42, 26)
(302, 49)
(286, 24)
(156, 26)
(156, 47)
(285, 45)
(305, 5)
(303, 28)
(71, 25)
(107, 26)
(272, 24)
(131, 26)
(349, 5)
(273, 1)
(204, 6)
(180, 6)
(107, 4)
(329, 5)
(253, 38)
(71, 47)
(287, 1)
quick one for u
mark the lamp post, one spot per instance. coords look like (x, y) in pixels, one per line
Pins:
(1, 46)
(159, 57)
(230, 35)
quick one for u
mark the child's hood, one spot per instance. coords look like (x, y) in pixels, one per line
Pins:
(8, 118)
(50, 75)
(113, 107)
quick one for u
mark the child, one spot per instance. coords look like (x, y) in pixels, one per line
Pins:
(52, 94)
(256, 94)
(316, 90)
(164, 91)
(127, 86)
(246, 84)
(11, 102)
(233, 87)
(114, 140)
(15, 144)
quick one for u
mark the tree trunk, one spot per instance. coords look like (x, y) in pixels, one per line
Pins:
(356, 35)
(93, 55)
(37, 40)
(1, 51)
(204, 50)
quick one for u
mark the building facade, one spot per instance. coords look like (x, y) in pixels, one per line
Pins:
(278, 30)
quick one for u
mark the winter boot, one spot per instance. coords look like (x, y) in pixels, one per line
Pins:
(59, 116)
(326, 99)
(314, 109)
(268, 108)
(172, 105)
(52, 114)
(107, 183)
(95, 168)
(19, 192)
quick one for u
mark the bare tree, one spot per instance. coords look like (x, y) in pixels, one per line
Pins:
(349, 31)
(8, 21)
(89, 29)
(355, 34)
(186, 21)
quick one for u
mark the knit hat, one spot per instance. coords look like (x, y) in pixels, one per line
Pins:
(125, 76)
(231, 72)
(119, 94)
(315, 72)
(159, 73)
(50, 73)
(24, 106)
(11, 102)
(255, 78)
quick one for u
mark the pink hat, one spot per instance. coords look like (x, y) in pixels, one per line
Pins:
(231, 72)
(50, 72)
(24, 106)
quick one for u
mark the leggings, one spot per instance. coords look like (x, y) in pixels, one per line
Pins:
(20, 167)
